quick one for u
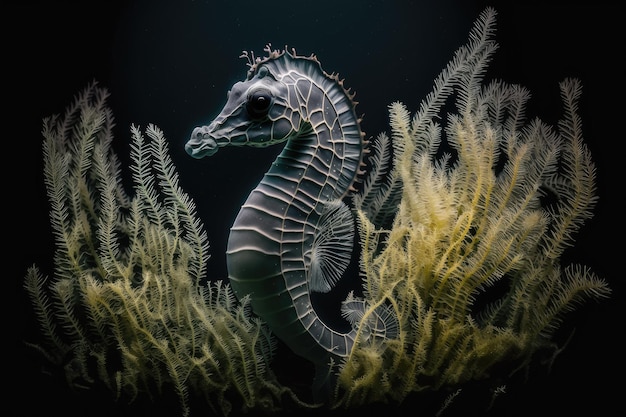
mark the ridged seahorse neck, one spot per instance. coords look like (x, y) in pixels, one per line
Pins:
(294, 234)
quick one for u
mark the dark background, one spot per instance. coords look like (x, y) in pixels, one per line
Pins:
(171, 62)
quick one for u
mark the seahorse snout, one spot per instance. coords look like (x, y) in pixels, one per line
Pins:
(201, 143)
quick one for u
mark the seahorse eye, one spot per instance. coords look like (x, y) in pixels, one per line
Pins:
(259, 102)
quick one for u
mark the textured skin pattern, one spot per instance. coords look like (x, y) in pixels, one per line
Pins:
(288, 98)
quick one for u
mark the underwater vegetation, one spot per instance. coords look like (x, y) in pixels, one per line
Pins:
(126, 304)
(463, 215)
(499, 208)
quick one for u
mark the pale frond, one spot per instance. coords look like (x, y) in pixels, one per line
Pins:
(35, 284)
(63, 295)
(180, 206)
(143, 177)
(576, 285)
(382, 186)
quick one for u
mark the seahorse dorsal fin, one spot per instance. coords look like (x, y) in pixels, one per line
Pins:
(332, 246)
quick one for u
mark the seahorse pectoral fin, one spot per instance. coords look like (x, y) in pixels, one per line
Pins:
(332, 246)
(380, 323)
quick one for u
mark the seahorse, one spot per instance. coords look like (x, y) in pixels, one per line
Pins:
(294, 234)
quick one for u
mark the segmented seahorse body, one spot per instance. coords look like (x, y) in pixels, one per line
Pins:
(294, 234)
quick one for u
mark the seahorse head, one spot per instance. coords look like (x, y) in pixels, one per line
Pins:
(254, 115)
(259, 112)
(284, 95)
